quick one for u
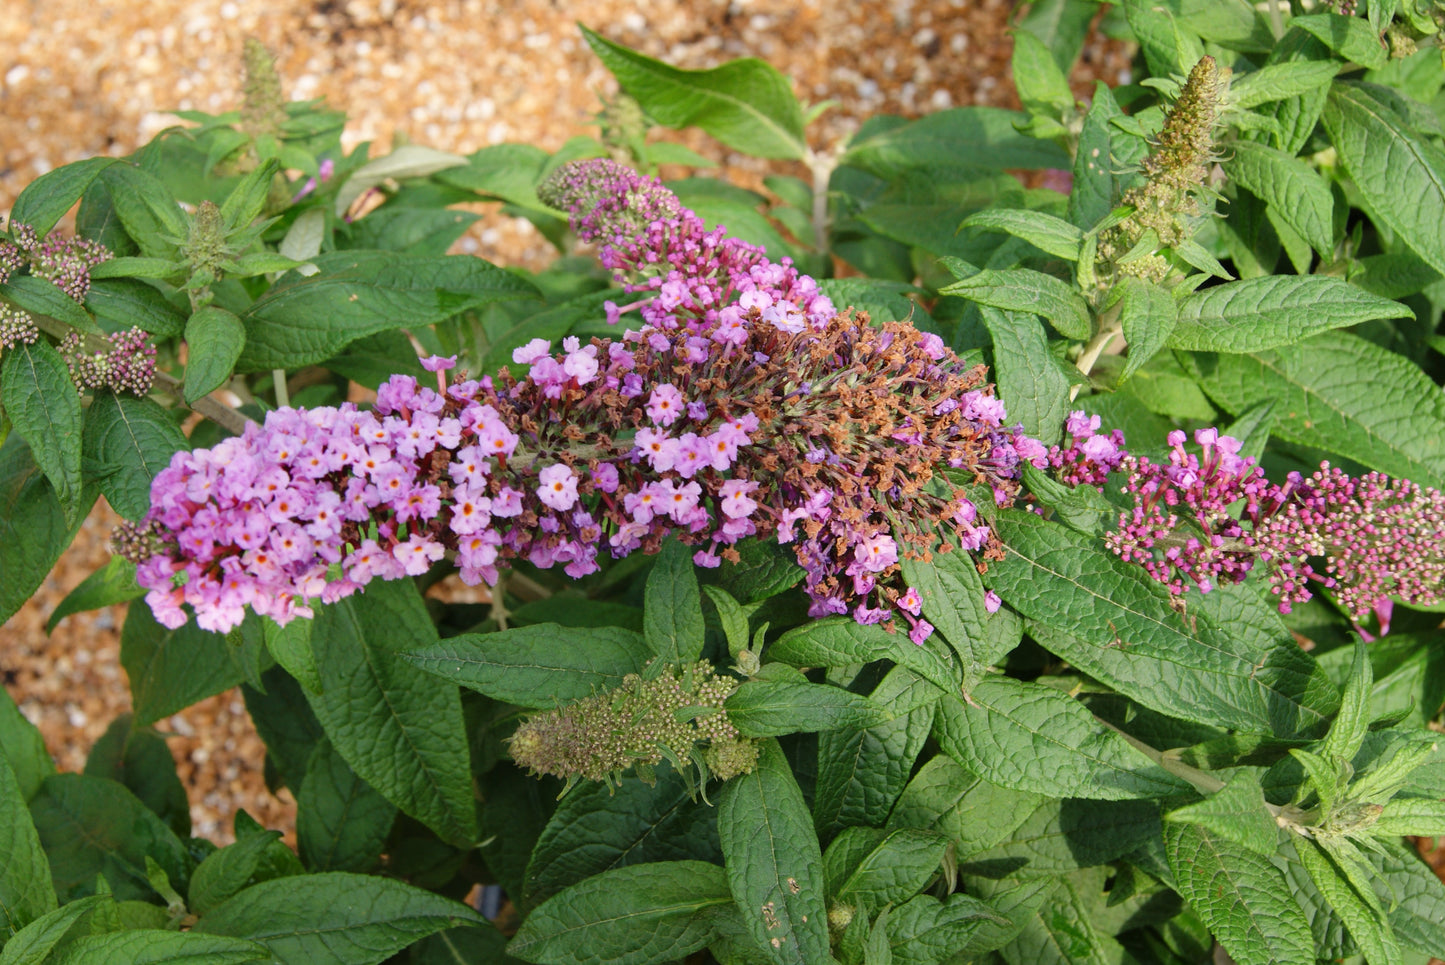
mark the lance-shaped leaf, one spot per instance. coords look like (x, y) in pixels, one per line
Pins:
(1343, 394)
(1034, 738)
(334, 918)
(156, 946)
(354, 294)
(25, 889)
(1400, 174)
(986, 137)
(597, 828)
(841, 641)
(1114, 622)
(171, 669)
(127, 442)
(46, 199)
(215, 338)
(1263, 313)
(747, 104)
(1026, 290)
(397, 727)
(23, 748)
(672, 607)
(1295, 191)
(341, 821)
(42, 403)
(772, 708)
(774, 867)
(34, 530)
(539, 665)
(888, 872)
(33, 943)
(1030, 382)
(1240, 896)
(1044, 231)
(1147, 316)
(636, 915)
(1372, 933)
(1237, 812)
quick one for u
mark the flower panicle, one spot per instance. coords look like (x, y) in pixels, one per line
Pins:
(676, 715)
(64, 262)
(848, 442)
(127, 364)
(1212, 517)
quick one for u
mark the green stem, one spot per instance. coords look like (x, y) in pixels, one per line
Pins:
(283, 398)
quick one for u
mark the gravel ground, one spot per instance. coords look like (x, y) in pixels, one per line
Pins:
(86, 77)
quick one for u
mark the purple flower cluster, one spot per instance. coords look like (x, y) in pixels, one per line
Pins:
(128, 365)
(1209, 518)
(689, 277)
(748, 408)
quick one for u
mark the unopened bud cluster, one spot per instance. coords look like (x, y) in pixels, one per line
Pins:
(64, 262)
(16, 327)
(1209, 518)
(641, 723)
(128, 363)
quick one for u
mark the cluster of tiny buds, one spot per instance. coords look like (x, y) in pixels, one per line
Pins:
(1212, 517)
(16, 327)
(127, 365)
(647, 719)
(64, 262)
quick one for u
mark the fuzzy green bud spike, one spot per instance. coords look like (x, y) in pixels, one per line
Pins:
(1176, 170)
(262, 110)
(641, 723)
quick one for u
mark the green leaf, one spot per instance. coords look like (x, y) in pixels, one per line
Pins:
(215, 338)
(1401, 176)
(672, 607)
(1030, 382)
(635, 915)
(134, 267)
(1296, 192)
(25, 890)
(33, 528)
(974, 814)
(924, 930)
(1275, 82)
(1351, 724)
(305, 320)
(1264, 313)
(334, 918)
(146, 208)
(153, 946)
(882, 300)
(33, 943)
(46, 199)
(1414, 898)
(43, 405)
(772, 708)
(1343, 394)
(986, 137)
(1237, 812)
(1349, 37)
(863, 770)
(842, 641)
(1374, 936)
(22, 747)
(1042, 86)
(228, 871)
(1093, 192)
(537, 666)
(139, 758)
(91, 826)
(774, 866)
(125, 302)
(397, 728)
(1026, 290)
(291, 647)
(744, 103)
(597, 828)
(1034, 738)
(40, 297)
(1415, 816)
(341, 821)
(891, 872)
(466, 945)
(1044, 231)
(127, 442)
(764, 570)
(1147, 317)
(171, 669)
(1049, 837)
(1169, 47)
(1114, 622)
(111, 584)
(1240, 896)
